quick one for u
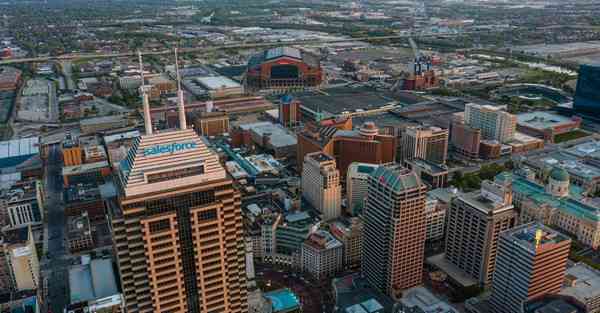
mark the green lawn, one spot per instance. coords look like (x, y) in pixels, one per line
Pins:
(575, 134)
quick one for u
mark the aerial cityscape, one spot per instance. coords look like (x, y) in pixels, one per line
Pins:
(299, 156)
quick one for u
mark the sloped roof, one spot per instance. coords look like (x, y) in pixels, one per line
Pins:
(139, 162)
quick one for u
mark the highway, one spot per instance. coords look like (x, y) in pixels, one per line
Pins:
(225, 47)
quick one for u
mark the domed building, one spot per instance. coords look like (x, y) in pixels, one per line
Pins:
(558, 182)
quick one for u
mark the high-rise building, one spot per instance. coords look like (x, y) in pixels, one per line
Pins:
(350, 233)
(494, 123)
(321, 184)
(587, 94)
(465, 140)
(357, 185)
(345, 145)
(474, 223)
(322, 255)
(177, 226)
(394, 230)
(531, 262)
(289, 111)
(428, 143)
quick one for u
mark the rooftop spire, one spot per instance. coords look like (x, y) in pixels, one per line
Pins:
(181, 107)
(145, 99)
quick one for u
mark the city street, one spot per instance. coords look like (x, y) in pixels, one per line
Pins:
(55, 262)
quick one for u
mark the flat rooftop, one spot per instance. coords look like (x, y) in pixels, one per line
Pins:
(338, 100)
(452, 270)
(425, 300)
(525, 235)
(586, 282)
(569, 162)
(542, 120)
(352, 290)
(19, 147)
(217, 82)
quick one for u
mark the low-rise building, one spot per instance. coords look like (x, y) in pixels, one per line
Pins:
(322, 255)
(582, 282)
(214, 123)
(85, 173)
(21, 259)
(79, 233)
(273, 137)
(21, 155)
(23, 204)
(10, 78)
(93, 287)
(432, 174)
(98, 124)
(546, 125)
(558, 204)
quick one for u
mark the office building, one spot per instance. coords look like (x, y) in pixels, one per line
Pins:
(322, 255)
(282, 237)
(587, 94)
(475, 221)
(79, 235)
(350, 233)
(321, 185)
(427, 143)
(357, 185)
(289, 111)
(394, 230)
(179, 249)
(346, 145)
(494, 123)
(465, 140)
(214, 123)
(434, 175)
(435, 214)
(531, 262)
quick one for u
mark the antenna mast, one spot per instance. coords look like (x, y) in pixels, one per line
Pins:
(145, 99)
(180, 104)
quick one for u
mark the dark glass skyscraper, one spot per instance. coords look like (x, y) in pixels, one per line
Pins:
(587, 95)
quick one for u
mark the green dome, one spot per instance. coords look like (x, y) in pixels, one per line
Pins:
(559, 174)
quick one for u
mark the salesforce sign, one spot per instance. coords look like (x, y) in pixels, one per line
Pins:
(169, 148)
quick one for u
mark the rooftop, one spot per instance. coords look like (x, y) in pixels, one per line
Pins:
(320, 157)
(585, 282)
(396, 178)
(277, 134)
(92, 281)
(296, 217)
(570, 163)
(527, 236)
(84, 168)
(323, 240)
(352, 290)
(19, 147)
(338, 100)
(542, 120)
(425, 300)
(569, 205)
(217, 82)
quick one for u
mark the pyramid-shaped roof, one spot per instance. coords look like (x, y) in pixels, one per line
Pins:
(168, 160)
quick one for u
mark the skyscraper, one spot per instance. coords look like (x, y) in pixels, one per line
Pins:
(321, 184)
(394, 230)
(475, 221)
(587, 95)
(428, 143)
(177, 226)
(357, 185)
(531, 262)
(494, 123)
